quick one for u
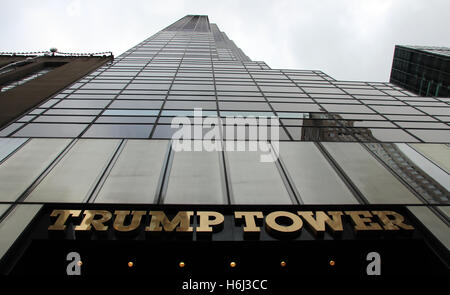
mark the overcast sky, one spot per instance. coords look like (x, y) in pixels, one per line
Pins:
(347, 39)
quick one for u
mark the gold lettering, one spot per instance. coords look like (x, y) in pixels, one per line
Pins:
(362, 220)
(63, 215)
(272, 226)
(249, 219)
(89, 221)
(208, 225)
(392, 224)
(181, 222)
(317, 224)
(120, 219)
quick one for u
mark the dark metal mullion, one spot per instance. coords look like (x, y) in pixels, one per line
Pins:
(15, 150)
(410, 188)
(171, 84)
(164, 182)
(431, 161)
(268, 103)
(378, 113)
(35, 183)
(286, 178)
(226, 180)
(415, 107)
(315, 101)
(441, 215)
(341, 173)
(95, 189)
(118, 94)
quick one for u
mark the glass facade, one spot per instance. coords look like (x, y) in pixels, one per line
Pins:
(423, 70)
(107, 137)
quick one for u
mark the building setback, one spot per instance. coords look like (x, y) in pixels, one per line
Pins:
(361, 168)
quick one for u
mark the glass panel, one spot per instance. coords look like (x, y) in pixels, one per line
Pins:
(432, 135)
(174, 104)
(76, 174)
(436, 111)
(195, 178)
(68, 119)
(13, 225)
(376, 183)
(136, 104)
(118, 131)
(433, 223)
(82, 104)
(134, 177)
(164, 131)
(396, 110)
(427, 166)
(438, 153)
(253, 181)
(250, 106)
(409, 118)
(367, 123)
(386, 135)
(149, 86)
(3, 208)
(363, 91)
(72, 112)
(26, 119)
(347, 108)
(296, 107)
(293, 115)
(323, 90)
(187, 113)
(137, 96)
(422, 125)
(445, 210)
(12, 127)
(19, 171)
(49, 103)
(131, 112)
(107, 119)
(51, 130)
(8, 145)
(246, 114)
(314, 178)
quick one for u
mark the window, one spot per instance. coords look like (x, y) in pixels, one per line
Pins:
(135, 175)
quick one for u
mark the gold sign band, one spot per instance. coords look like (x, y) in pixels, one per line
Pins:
(276, 223)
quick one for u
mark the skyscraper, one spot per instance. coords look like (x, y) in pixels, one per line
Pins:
(424, 70)
(357, 168)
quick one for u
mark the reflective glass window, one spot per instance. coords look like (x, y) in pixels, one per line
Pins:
(51, 130)
(253, 181)
(73, 178)
(20, 170)
(195, 178)
(378, 185)
(118, 131)
(315, 179)
(136, 173)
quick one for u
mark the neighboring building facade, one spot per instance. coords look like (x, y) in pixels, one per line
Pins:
(347, 152)
(44, 73)
(424, 70)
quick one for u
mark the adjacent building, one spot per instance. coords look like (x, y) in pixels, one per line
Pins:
(92, 174)
(424, 70)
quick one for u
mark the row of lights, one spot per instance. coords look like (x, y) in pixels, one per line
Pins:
(232, 264)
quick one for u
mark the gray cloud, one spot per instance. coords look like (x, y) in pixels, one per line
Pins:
(349, 40)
